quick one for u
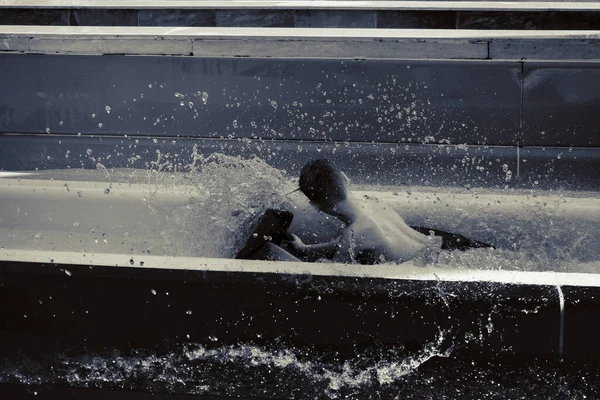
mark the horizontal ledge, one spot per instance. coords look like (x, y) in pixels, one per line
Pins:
(298, 43)
(344, 34)
(308, 5)
(405, 271)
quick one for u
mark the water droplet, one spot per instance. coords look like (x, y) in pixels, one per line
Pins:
(61, 122)
(235, 123)
(153, 292)
(100, 125)
(78, 134)
(47, 130)
(189, 312)
(68, 272)
(93, 115)
(131, 261)
(107, 191)
(89, 152)
(80, 193)
(107, 108)
(204, 97)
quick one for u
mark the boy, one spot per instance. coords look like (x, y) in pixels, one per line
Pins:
(373, 232)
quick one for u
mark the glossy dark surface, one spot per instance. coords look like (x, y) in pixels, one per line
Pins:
(71, 319)
(528, 20)
(176, 18)
(581, 305)
(318, 100)
(403, 19)
(87, 17)
(560, 167)
(383, 164)
(388, 122)
(417, 19)
(560, 104)
(108, 307)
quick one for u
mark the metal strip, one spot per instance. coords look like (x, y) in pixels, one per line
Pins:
(405, 271)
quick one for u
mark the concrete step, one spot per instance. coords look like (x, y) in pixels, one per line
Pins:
(324, 43)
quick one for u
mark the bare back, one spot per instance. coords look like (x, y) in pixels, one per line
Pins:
(382, 234)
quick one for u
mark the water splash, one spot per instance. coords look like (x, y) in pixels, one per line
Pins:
(226, 197)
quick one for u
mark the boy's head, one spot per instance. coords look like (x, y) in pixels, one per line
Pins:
(323, 183)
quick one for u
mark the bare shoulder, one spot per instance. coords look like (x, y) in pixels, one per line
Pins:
(380, 210)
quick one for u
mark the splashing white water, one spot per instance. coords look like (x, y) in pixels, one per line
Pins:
(226, 197)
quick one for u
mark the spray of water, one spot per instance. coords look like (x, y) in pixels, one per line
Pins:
(226, 197)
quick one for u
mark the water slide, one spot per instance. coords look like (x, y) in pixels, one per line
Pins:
(140, 143)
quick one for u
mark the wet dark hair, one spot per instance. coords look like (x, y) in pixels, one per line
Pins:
(322, 182)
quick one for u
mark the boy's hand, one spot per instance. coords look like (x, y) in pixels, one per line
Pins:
(295, 243)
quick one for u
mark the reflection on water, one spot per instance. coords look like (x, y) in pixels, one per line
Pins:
(197, 369)
(252, 371)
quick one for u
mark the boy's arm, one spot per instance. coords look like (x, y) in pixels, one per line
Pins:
(312, 252)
